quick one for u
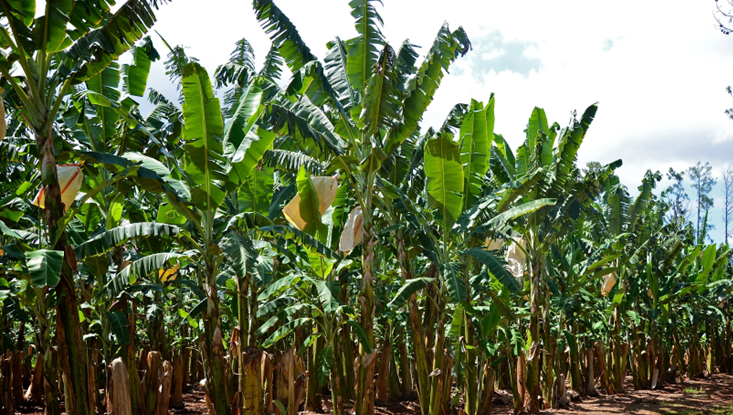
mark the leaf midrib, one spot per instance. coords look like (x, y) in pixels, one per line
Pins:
(443, 184)
(365, 45)
(206, 147)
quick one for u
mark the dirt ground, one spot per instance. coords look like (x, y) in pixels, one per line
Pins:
(710, 396)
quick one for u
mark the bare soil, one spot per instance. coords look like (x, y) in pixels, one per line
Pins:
(194, 402)
(709, 396)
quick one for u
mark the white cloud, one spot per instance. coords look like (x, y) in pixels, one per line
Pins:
(493, 54)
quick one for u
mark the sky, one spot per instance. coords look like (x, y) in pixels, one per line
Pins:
(657, 69)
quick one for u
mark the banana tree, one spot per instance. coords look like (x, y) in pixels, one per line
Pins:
(544, 169)
(453, 250)
(575, 267)
(32, 275)
(204, 187)
(50, 54)
(216, 158)
(514, 204)
(308, 299)
(359, 105)
(676, 301)
(637, 230)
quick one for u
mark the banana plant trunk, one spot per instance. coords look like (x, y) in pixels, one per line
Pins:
(50, 365)
(250, 385)
(601, 357)
(213, 349)
(576, 378)
(347, 364)
(548, 361)
(519, 381)
(472, 381)
(243, 313)
(128, 352)
(365, 385)
(385, 356)
(336, 393)
(312, 400)
(129, 357)
(405, 373)
(618, 361)
(346, 355)
(439, 368)
(418, 343)
(72, 353)
(489, 379)
(533, 360)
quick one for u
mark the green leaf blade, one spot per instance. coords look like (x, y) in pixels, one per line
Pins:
(444, 172)
(44, 266)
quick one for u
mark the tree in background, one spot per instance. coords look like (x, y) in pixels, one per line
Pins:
(729, 111)
(703, 182)
(724, 15)
(677, 199)
(592, 167)
(727, 176)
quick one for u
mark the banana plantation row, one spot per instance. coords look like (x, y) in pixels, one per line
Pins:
(303, 243)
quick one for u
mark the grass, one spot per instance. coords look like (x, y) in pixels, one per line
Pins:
(693, 391)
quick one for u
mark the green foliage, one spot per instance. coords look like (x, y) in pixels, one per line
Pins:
(105, 241)
(179, 219)
(203, 157)
(444, 172)
(44, 267)
(496, 267)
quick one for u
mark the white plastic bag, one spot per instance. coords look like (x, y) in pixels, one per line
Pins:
(516, 258)
(70, 178)
(608, 282)
(353, 231)
(326, 188)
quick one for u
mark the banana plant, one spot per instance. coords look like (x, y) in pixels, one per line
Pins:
(216, 158)
(310, 295)
(33, 275)
(544, 169)
(211, 173)
(377, 97)
(311, 291)
(456, 257)
(50, 54)
(634, 229)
